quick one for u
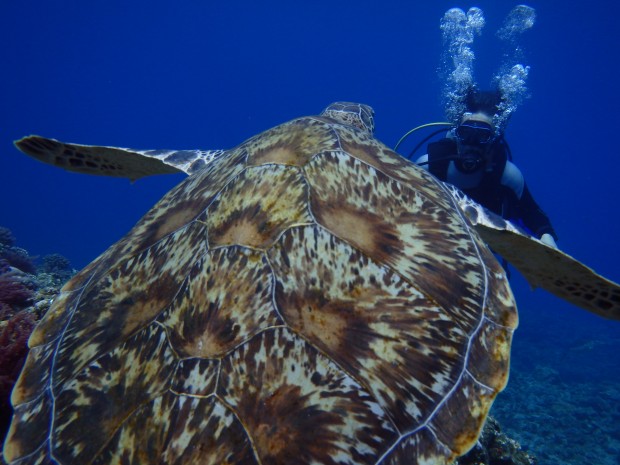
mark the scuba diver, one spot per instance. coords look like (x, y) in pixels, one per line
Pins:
(476, 158)
(474, 155)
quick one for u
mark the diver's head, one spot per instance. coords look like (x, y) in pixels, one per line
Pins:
(475, 135)
(489, 104)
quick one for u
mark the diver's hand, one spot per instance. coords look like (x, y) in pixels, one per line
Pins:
(548, 239)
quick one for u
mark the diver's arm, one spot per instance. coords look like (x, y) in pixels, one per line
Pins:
(528, 210)
(533, 217)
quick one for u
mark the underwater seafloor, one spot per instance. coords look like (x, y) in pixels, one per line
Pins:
(562, 402)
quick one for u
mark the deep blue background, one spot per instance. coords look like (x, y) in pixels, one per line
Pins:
(200, 74)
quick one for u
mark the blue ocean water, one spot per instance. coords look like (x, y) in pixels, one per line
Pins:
(210, 74)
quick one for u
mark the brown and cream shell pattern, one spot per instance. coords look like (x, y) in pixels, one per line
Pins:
(309, 297)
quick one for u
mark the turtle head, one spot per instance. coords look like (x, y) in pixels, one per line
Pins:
(352, 114)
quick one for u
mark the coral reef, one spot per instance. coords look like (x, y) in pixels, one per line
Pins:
(26, 293)
(12, 256)
(13, 292)
(495, 448)
(56, 268)
(6, 237)
(18, 258)
(13, 350)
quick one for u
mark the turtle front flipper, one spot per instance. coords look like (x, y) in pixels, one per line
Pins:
(555, 271)
(114, 161)
(544, 266)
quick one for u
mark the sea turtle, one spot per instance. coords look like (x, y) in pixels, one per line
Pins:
(309, 296)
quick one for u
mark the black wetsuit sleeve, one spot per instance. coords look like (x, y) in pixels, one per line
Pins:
(532, 215)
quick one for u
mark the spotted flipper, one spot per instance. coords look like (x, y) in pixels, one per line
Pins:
(542, 265)
(115, 161)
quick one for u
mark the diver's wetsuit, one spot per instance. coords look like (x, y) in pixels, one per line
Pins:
(501, 189)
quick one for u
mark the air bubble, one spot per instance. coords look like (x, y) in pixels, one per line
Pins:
(459, 30)
(519, 20)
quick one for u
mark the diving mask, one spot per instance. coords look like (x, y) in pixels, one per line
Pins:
(472, 132)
